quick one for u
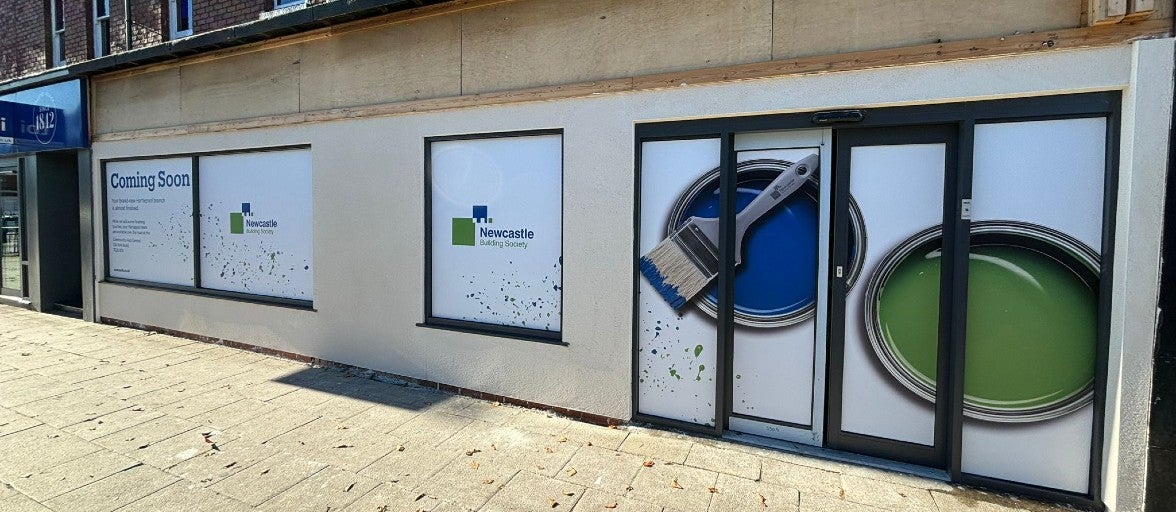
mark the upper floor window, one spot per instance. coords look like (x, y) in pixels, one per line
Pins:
(101, 28)
(282, 4)
(180, 18)
(58, 31)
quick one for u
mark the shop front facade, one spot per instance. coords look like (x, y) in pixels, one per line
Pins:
(44, 166)
(963, 284)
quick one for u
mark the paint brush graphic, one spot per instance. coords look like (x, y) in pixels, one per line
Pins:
(686, 262)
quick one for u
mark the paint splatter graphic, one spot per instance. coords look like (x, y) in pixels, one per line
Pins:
(514, 298)
(250, 263)
(675, 365)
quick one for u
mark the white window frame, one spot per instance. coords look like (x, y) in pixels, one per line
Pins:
(58, 35)
(283, 4)
(173, 20)
(101, 28)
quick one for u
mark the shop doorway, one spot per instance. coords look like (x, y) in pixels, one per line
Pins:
(12, 233)
(890, 335)
(961, 322)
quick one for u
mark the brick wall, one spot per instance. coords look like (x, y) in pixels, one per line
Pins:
(77, 31)
(23, 48)
(148, 22)
(209, 15)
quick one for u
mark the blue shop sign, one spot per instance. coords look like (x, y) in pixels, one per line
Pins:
(43, 118)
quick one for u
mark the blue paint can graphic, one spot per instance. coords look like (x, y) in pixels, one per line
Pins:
(776, 285)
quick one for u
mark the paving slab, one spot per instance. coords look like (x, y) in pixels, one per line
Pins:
(131, 383)
(140, 437)
(267, 478)
(94, 371)
(661, 446)
(32, 387)
(430, 429)
(272, 424)
(595, 435)
(71, 408)
(12, 422)
(158, 398)
(808, 480)
(734, 494)
(233, 414)
(973, 500)
(684, 487)
(212, 466)
(389, 498)
(62, 478)
(106, 424)
(114, 491)
(818, 502)
(722, 460)
(193, 443)
(10, 373)
(599, 501)
(528, 492)
(72, 365)
(602, 469)
(343, 409)
(351, 448)
(302, 398)
(162, 362)
(468, 481)
(482, 410)
(329, 489)
(198, 402)
(38, 448)
(545, 454)
(381, 417)
(186, 497)
(22, 503)
(411, 466)
(540, 422)
(891, 496)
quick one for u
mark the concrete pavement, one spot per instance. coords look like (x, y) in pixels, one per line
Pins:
(101, 418)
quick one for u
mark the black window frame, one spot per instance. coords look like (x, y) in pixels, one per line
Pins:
(484, 328)
(196, 289)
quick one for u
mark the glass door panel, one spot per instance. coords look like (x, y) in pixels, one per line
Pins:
(888, 349)
(11, 250)
(1033, 298)
(677, 359)
(777, 374)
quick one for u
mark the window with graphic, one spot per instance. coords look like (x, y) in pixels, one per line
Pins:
(223, 224)
(255, 223)
(149, 220)
(495, 226)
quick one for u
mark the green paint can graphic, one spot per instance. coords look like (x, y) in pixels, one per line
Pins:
(1032, 316)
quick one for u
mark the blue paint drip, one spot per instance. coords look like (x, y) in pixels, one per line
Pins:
(654, 276)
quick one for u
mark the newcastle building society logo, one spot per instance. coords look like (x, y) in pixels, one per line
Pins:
(241, 222)
(466, 231)
(463, 227)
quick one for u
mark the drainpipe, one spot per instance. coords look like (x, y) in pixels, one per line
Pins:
(127, 22)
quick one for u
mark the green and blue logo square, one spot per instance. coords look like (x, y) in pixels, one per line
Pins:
(464, 229)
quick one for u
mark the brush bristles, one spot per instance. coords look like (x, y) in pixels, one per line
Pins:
(672, 273)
